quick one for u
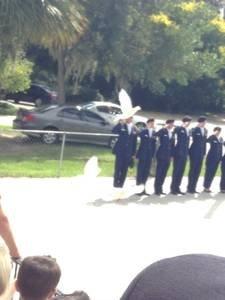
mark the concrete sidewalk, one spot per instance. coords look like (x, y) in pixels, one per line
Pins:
(101, 244)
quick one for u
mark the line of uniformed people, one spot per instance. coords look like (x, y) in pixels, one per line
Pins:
(168, 144)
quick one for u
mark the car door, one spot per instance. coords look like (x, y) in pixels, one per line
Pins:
(69, 119)
(96, 125)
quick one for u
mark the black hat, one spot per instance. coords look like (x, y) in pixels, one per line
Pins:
(195, 277)
(186, 119)
(201, 119)
(170, 121)
(150, 120)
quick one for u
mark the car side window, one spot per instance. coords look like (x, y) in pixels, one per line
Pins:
(91, 117)
(103, 109)
(114, 110)
(69, 113)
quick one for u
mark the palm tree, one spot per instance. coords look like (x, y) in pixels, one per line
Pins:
(54, 24)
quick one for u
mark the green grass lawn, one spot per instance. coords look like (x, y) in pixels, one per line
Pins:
(29, 159)
(20, 157)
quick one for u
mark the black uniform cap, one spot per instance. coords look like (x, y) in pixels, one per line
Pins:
(170, 121)
(201, 119)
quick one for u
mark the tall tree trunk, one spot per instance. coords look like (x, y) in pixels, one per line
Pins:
(61, 76)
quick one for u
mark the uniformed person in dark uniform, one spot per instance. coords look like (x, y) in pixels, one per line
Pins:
(213, 157)
(124, 149)
(163, 155)
(145, 154)
(222, 179)
(197, 152)
(180, 154)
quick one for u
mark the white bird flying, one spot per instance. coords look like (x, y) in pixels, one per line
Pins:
(126, 105)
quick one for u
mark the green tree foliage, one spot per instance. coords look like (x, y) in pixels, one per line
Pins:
(15, 74)
(151, 43)
(54, 24)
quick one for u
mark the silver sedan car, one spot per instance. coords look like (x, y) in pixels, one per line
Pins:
(89, 125)
(111, 112)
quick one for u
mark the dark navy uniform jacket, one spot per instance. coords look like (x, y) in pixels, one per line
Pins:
(166, 144)
(216, 148)
(147, 145)
(126, 143)
(198, 146)
(181, 146)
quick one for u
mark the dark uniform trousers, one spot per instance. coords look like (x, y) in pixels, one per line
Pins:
(163, 157)
(197, 152)
(213, 159)
(144, 155)
(124, 149)
(179, 164)
(180, 154)
(222, 180)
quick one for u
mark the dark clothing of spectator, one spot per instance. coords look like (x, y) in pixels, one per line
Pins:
(187, 277)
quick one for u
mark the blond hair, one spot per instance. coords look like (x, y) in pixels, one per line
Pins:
(5, 266)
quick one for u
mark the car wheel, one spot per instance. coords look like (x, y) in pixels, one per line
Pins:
(112, 142)
(140, 125)
(50, 137)
(38, 102)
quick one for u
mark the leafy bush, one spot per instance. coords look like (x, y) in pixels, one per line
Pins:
(15, 74)
(7, 109)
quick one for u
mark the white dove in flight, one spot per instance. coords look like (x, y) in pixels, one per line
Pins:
(126, 104)
(87, 184)
(91, 168)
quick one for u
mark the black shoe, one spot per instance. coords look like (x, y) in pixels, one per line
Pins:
(180, 193)
(207, 190)
(192, 192)
(140, 194)
(222, 191)
(158, 193)
(147, 194)
(173, 193)
(143, 193)
(163, 193)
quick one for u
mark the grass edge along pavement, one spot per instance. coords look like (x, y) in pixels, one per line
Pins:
(40, 160)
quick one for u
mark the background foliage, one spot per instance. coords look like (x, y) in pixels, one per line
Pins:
(170, 55)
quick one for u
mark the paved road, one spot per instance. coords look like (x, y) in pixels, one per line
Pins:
(101, 244)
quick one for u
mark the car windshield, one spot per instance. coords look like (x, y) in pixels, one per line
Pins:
(88, 106)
